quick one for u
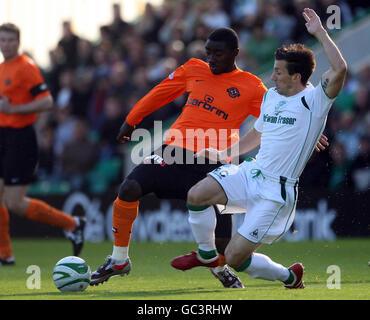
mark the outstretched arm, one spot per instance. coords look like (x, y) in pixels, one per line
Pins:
(333, 79)
(248, 142)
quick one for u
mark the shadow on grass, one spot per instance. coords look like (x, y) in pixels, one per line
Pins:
(145, 294)
(112, 294)
(90, 292)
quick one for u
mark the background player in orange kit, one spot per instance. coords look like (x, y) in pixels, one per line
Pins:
(220, 98)
(23, 94)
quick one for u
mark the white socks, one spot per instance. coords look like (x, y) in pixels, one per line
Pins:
(263, 267)
(203, 224)
(120, 254)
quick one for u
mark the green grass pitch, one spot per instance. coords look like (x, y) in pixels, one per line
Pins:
(152, 277)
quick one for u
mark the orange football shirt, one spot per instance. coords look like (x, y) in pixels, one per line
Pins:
(216, 104)
(21, 82)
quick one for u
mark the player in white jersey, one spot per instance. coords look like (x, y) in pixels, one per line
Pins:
(293, 116)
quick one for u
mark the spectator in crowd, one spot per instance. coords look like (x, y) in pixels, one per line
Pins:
(348, 134)
(298, 5)
(64, 129)
(101, 63)
(279, 24)
(119, 26)
(81, 93)
(52, 73)
(97, 101)
(78, 156)
(134, 46)
(106, 40)
(149, 24)
(244, 10)
(64, 96)
(359, 172)
(215, 17)
(261, 46)
(113, 115)
(346, 98)
(84, 59)
(46, 153)
(183, 17)
(120, 81)
(339, 167)
(69, 44)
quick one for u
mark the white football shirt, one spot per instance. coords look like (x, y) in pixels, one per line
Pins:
(291, 128)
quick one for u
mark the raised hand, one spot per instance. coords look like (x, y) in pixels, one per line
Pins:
(313, 22)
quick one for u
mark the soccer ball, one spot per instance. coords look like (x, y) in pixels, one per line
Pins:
(71, 274)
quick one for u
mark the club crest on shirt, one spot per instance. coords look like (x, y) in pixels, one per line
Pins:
(8, 81)
(278, 108)
(233, 92)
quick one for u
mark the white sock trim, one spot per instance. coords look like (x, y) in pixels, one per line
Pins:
(120, 253)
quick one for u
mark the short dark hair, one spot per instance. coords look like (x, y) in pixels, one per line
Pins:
(10, 27)
(299, 59)
(226, 35)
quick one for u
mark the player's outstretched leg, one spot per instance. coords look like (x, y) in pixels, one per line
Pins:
(260, 266)
(110, 269)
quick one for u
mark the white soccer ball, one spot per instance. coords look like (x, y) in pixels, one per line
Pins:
(72, 274)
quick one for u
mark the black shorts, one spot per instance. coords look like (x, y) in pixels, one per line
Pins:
(173, 181)
(18, 155)
(170, 181)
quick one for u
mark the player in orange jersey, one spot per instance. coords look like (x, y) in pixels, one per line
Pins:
(220, 98)
(23, 94)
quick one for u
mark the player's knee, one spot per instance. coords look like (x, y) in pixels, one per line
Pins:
(195, 197)
(15, 206)
(130, 191)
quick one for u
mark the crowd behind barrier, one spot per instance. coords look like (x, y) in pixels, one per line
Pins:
(96, 83)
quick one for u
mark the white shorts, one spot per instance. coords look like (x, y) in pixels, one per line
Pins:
(270, 201)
